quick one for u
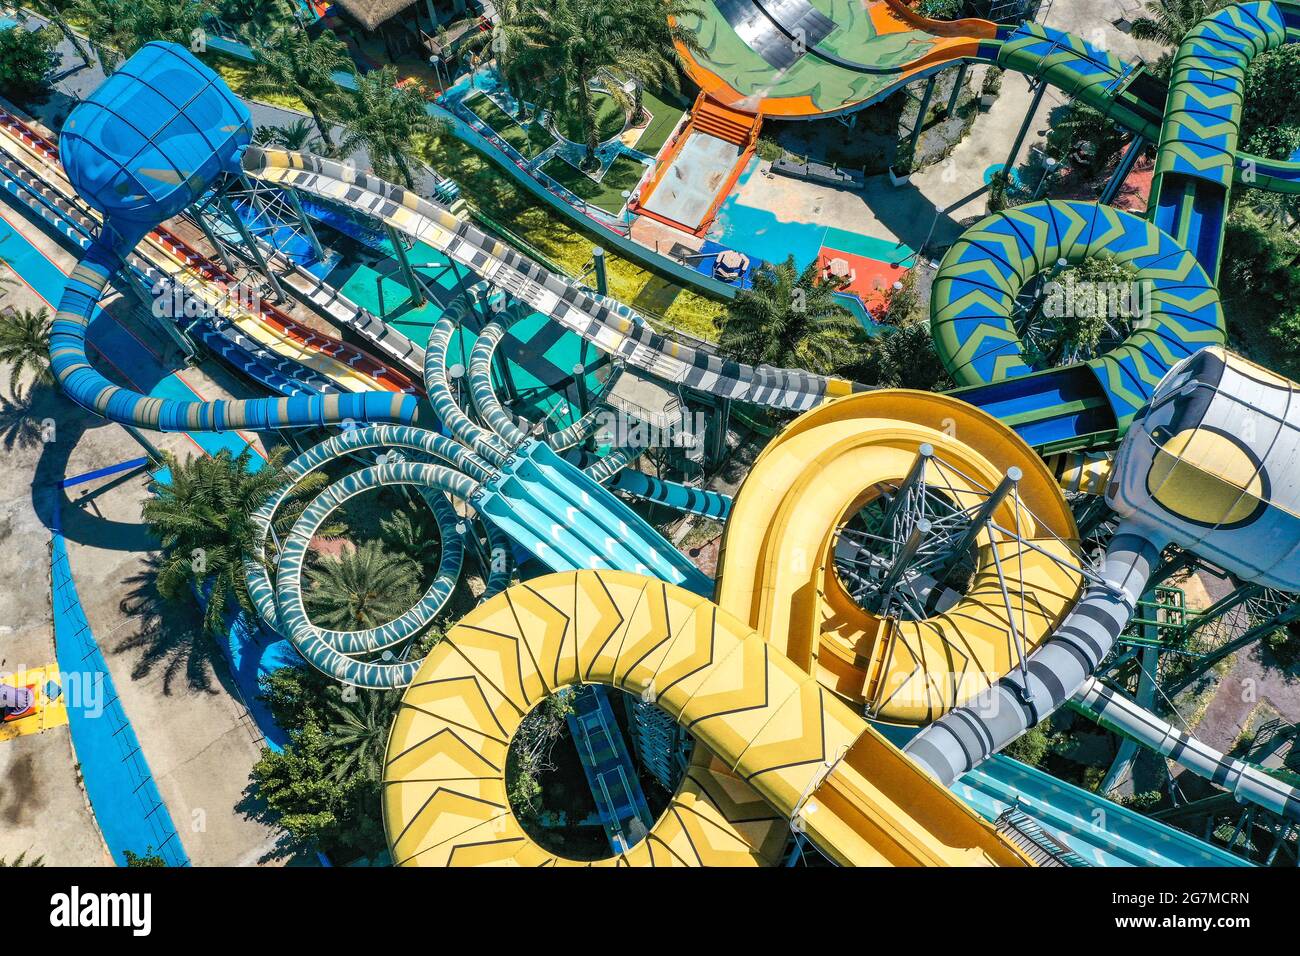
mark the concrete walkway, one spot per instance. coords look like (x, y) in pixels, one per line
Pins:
(170, 678)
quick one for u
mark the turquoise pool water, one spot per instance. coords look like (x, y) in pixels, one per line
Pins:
(760, 234)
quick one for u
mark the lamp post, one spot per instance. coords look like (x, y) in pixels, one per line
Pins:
(435, 61)
(1048, 166)
(580, 379)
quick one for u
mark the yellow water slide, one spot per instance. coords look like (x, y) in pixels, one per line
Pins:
(775, 748)
(768, 680)
(778, 574)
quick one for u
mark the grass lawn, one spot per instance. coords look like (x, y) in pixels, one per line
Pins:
(663, 117)
(530, 140)
(496, 194)
(623, 174)
(609, 119)
(238, 74)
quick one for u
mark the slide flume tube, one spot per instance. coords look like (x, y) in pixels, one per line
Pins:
(139, 172)
(964, 737)
(1116, 712)
(610, 326)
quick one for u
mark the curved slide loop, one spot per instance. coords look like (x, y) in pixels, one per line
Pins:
(486, 443)
(582, 429)
(618, 459)
(329, 652)
(963, 738)
(805, 752)
(411, 621)
(320, 647)
(778, 569)
(500, 562)
(480, 385)
(579, 431)
(92, 391)
(973, 306)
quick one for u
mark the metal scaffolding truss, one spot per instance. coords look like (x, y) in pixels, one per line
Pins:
(911, 551)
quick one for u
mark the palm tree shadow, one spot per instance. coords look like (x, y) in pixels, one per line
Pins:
(170, 634)
(21, 425)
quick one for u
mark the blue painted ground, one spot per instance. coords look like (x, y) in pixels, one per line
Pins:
(760, 234)
(121, 788)
(133, 361)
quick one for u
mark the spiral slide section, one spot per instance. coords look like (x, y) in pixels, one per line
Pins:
(763, 724)
(451, 472)
(973, 317)
(778, 569)
(1197, 162)
(140, 149)
(1209, 466)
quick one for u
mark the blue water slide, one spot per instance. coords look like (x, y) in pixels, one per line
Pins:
(144, 146)
(568, 521)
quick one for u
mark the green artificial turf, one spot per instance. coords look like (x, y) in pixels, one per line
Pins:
(623, 174)
(531, 140)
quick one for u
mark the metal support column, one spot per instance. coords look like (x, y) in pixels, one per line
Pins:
(1024, 129)
(253, 249)
(923, 456)
(1126, 163)
(920, 116)
(404, 262)
(915, 539)
(305, 223)
(222, 252)
(956, 87)
(980, 520)
(598, 264)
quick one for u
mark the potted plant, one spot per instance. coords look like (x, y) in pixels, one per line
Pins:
(991, 87)
(900, 171)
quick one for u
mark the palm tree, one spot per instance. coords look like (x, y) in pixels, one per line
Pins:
(1167, 21)
(203, 517)
(360, 730)
(410, 532)
(290, 60)
(25, 346)
(1282, 209)
(56, 11)
(361, 588)
(558, 48)
(254, 19)
(385, 120)
(118, 28)
(658, 23)
(297, 136)
(790, 319)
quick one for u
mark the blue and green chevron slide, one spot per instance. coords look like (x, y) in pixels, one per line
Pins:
(973, 311)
